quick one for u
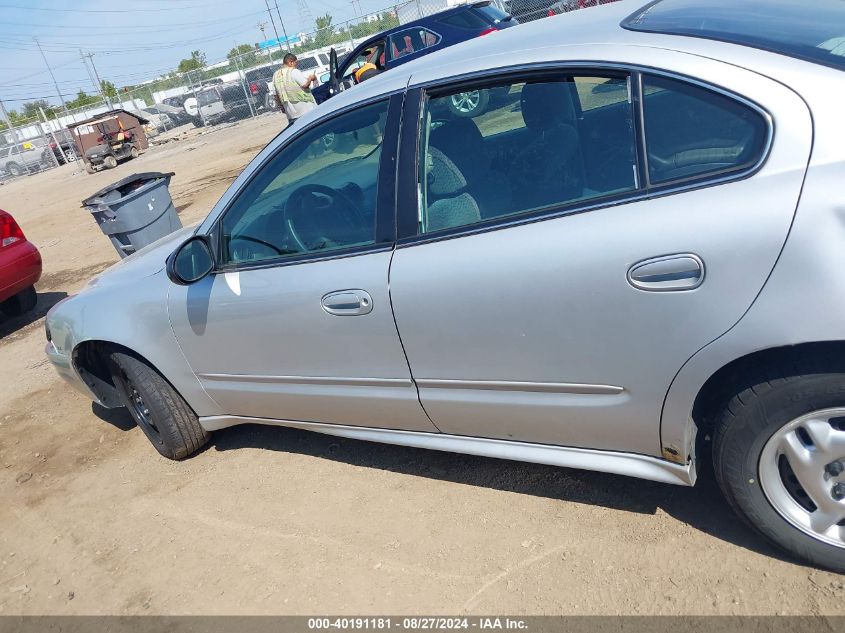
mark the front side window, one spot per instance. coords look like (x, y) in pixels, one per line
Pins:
(372, 54)
(518, 147)
(317, 195)
(412, 41)
(691, 131)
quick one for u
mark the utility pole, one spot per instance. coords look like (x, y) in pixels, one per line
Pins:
(91, 76)
(50, 70)
(261, 27)
(90, 56)
(12, 130)
(284, 32)
(273, 22)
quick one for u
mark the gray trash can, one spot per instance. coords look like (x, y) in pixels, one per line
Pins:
(135, 211)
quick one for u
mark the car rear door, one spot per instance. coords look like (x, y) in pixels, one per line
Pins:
(550, 295)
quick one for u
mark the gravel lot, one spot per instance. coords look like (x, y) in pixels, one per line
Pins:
(270, 520)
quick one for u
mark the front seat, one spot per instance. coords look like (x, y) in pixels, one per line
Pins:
(461, 141)
(448, 204)
(549, 169)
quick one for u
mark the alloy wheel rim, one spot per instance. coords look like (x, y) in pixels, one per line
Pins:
(802, 474)
(466, 101)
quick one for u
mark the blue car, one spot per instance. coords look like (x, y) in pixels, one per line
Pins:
(409, 41)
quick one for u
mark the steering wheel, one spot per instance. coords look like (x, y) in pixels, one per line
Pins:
(311, 202)
(249, 238)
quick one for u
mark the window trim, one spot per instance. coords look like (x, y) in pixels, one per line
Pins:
(408, 208)
(385, 194)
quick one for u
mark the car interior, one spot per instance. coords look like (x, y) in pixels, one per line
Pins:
(553, 143)
(318, 194)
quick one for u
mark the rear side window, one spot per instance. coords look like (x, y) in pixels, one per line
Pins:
(692, 132)
(412, 41)
(513, 148)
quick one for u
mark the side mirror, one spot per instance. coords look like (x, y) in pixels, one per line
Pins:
(190, 262)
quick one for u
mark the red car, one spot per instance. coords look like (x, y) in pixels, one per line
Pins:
(20, 268)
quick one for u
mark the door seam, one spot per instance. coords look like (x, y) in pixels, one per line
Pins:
(401, 342)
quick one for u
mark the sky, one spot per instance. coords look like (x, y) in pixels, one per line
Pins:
(133, 41)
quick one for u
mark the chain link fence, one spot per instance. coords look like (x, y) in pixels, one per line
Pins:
(230, 90)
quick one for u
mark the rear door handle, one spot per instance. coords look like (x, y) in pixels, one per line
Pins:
(683, 271)
(347, 302)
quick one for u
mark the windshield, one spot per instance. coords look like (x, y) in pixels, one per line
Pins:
(811, 31)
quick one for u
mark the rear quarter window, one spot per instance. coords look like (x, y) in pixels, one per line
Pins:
(695, 132)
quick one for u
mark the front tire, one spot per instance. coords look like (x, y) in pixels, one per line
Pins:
(157, 408)
(778, 455)
(110, 162)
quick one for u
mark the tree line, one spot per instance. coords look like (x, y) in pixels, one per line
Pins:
(192, 71)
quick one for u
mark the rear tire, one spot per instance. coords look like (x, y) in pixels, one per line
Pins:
(157, 408)
(755, 471)
(133, 152)
(21, 303)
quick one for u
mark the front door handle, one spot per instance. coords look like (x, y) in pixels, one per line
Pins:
(684, 271)
(347, 302)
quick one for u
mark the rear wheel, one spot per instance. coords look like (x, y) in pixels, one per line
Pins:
(468, 104)
(779, 457)
(157, 408)
(21, 303)
(134, 152)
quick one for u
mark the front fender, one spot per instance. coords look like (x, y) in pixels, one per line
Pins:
(133, 316)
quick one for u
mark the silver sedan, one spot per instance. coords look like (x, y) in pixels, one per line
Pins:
(627, 256)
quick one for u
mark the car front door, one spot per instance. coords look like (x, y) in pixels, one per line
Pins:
(561, 257)
(296, 324)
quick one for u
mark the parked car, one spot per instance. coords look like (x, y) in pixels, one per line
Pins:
(20, 268)
(260, 83)
(223, 102)
(176, 116)
(68, 151)
(24, 157)
(413, 40)
(636, 259)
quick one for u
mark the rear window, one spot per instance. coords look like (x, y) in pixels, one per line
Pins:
(493, 14)
(475, 17)
(260, 73)
(207, 96)
(813, 31)
(306, 63)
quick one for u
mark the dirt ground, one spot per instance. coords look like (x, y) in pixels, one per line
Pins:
(269, 520)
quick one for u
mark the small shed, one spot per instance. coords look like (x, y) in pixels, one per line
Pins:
(89, 132)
